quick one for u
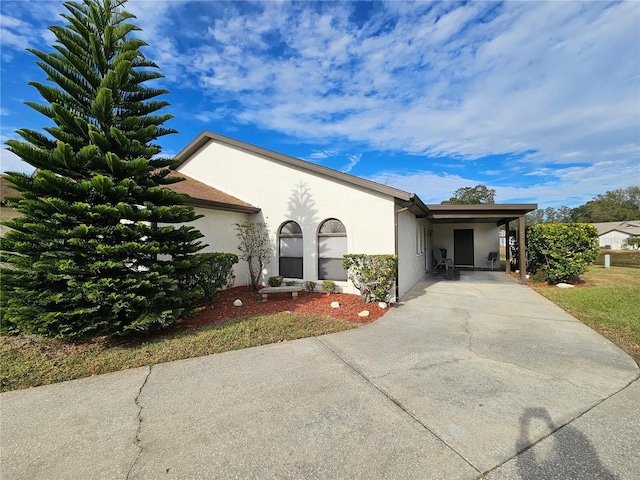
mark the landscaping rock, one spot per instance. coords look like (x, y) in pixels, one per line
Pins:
(383, 305)
(335, 305)
(364, 313)
(237, 303)
(565, 285)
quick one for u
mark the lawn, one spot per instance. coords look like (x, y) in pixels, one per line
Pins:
(609, 303)
(32, 361)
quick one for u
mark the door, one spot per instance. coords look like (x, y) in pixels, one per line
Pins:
(463, 247)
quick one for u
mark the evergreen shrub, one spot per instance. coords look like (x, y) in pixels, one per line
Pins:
(214, 273)
(561, 250)
(374, 275)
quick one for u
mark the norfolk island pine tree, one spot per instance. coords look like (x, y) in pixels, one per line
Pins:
(101, 244)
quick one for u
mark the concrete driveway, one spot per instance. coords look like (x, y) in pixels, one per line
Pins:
(452, 383)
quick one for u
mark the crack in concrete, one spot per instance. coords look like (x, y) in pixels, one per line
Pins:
(396, 402)
(467, 329)
(136, 439)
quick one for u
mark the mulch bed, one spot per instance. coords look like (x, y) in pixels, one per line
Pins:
(313, 303)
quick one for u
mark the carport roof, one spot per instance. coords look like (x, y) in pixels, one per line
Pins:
(499, 213)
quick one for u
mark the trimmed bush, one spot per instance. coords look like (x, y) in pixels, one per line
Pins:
(275, 281)
(374, 275)
(213, 274)
(561, 250)
(310, 286)
(328, 287)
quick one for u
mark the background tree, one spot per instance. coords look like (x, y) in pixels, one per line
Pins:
(550, 215)
(472, 196)
(97, 249)
(255, 248)
(613, 206)
(632, 242)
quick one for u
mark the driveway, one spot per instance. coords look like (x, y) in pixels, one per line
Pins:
(452, 383)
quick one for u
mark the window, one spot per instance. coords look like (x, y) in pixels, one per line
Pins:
(419, 240)
(290, 243)
(332, 245)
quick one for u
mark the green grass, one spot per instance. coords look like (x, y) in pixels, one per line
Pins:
(33, 361)
(610, 304)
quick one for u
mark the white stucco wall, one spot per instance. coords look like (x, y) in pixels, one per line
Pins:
(219, 233)
(413, 248)
(283, 193)
(6, 213)
(615, 239)
(485, 239)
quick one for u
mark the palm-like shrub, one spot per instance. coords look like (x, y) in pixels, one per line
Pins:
(101, 242)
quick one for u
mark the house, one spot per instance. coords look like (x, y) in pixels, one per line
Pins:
(6, 212)
(612, 235)
(315, 215)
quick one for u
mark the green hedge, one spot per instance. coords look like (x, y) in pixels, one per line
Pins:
(214, 274)
(558, 251)
(374, 275)
(620, 258)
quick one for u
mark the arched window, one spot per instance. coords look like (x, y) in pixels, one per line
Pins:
(332, 245)
(290, 243)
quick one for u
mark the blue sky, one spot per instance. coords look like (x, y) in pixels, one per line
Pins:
(537, 100)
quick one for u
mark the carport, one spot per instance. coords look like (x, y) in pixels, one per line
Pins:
(496, 214)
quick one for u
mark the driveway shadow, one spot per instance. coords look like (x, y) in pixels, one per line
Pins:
(567, 453)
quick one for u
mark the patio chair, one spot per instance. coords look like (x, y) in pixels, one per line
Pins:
(492, 259)
(446, 262)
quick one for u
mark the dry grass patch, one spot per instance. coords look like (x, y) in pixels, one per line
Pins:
(33, 361)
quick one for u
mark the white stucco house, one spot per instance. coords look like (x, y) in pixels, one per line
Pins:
(612, 235)
(6, 212)
(315, 215)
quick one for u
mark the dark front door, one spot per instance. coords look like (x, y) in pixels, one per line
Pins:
(463, 247)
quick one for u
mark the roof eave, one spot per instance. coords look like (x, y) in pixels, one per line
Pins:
(199, 202)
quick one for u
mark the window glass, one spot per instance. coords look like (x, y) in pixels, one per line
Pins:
(332, 245)
(290, 250)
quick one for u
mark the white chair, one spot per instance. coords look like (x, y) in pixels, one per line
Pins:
(446, 262)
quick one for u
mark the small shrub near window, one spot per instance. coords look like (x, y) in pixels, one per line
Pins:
(328, 287)
(213, 274)
(374, 275)
(275, 281)
(310, 286)
(561, 250)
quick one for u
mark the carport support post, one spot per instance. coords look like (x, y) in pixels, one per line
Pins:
(507, 253)
(523, 251)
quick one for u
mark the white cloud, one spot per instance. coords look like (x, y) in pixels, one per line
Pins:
(353, 161)
(556, 77)
(10, 162)
(322, 154)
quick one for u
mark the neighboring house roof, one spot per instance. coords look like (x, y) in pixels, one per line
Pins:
(631, 227)
(411, 201)
(202, 195)
(6, 190)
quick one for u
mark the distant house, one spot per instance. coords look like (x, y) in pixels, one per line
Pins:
(612, 235)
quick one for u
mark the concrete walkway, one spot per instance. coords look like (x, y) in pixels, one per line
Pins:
(452, 383)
